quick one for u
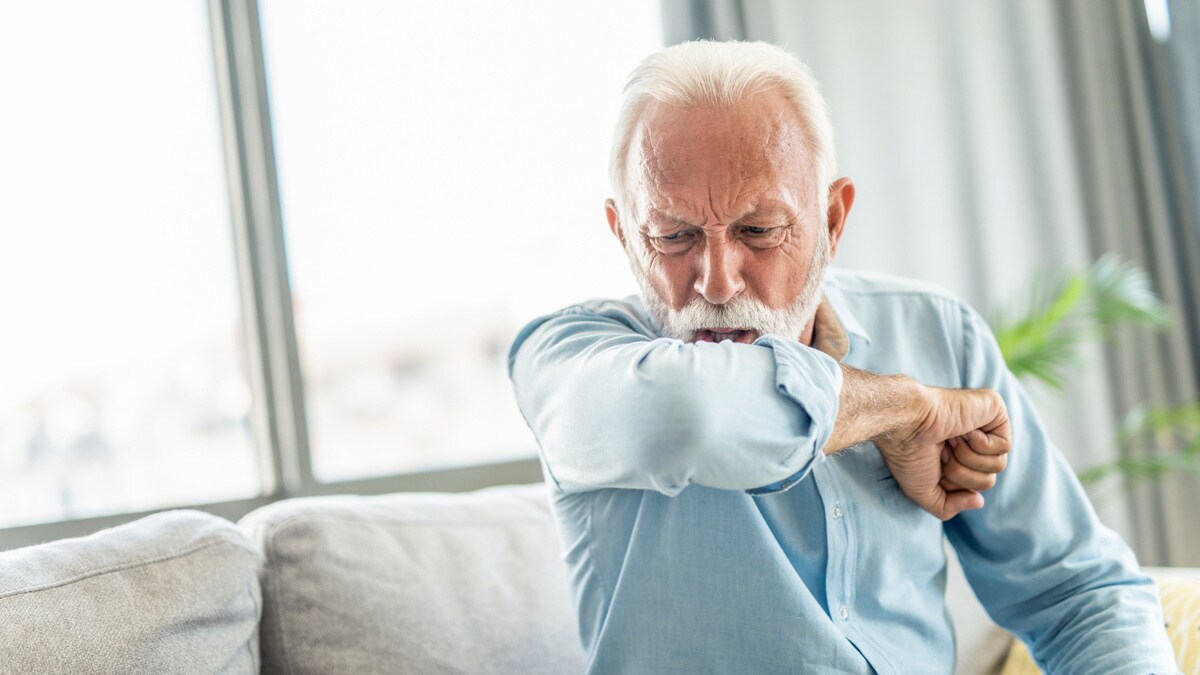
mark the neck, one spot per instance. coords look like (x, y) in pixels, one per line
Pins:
(809, 333)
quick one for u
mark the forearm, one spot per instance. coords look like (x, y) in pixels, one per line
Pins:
(612, 408)
(943, 446)
(872, 405)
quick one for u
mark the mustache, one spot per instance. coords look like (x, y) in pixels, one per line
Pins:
(737, 313)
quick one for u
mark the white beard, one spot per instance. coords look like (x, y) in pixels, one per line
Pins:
(740, 312)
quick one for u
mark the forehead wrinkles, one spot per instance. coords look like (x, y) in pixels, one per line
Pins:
(738, 152)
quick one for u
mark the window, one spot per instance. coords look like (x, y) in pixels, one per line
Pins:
(442, 173)
(428, 178)
(124, 385)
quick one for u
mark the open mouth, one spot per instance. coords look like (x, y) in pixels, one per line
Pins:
(742, 335)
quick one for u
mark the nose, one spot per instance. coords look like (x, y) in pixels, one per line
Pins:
(719, 278)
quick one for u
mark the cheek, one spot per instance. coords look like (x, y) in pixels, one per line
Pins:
(776, 277)
(672, 277)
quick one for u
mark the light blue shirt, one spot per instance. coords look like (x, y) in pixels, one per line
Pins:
(705, 531)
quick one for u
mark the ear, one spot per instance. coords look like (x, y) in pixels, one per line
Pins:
(841, 198)
(614, 221)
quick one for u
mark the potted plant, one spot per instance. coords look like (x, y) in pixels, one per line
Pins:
(1040, 342)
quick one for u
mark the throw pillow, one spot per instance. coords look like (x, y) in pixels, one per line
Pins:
(175, 592)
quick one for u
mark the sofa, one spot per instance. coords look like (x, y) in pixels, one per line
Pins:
(404, 583)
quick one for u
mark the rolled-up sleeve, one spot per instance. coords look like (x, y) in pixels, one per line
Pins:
(1039, 559)
(613, 406)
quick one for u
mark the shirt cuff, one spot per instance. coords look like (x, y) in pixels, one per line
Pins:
(813, 380)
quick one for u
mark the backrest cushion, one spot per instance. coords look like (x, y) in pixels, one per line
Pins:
(415, 583)
(175, 592)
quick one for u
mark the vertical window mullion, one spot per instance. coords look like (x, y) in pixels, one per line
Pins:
(272, 355)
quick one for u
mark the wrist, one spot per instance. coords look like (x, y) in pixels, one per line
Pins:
(876, 407)
(910, 404)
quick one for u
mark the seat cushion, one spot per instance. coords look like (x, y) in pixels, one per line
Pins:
(415, 583)
(175, 592)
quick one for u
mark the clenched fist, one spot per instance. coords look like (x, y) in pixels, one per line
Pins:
(943, 446)
(958, 441)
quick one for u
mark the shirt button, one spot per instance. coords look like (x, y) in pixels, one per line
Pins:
(844, 612)
(837, 512)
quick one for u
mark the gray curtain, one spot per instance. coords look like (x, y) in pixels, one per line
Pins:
(1135, 100)
(996, 139)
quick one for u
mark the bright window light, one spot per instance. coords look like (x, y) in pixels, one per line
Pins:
(443, 172)
(121, 379)
(1158, 18)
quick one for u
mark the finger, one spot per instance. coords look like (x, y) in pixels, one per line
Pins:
(958, 501)
(986, 443)
(966, 477)
(968, 456)
(948, 485)
(997, 410)
(999, 432)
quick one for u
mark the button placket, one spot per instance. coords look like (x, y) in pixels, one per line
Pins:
(841, 545)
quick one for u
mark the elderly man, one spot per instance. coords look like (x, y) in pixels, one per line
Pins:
(755, 463)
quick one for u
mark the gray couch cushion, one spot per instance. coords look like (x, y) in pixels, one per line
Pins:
(415, 583)
(176, 592)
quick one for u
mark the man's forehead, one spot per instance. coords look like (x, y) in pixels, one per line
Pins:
(676, 134)
(760, 136)
(766, 210)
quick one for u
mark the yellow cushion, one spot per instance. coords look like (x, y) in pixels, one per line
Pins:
(1181, 612)
(1019, 662)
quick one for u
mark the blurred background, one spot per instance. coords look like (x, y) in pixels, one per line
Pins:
(255, 251)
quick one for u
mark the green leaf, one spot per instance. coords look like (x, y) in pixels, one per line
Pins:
(1121, 294)
(1040, 340)
(1144, 468)
(1154, 441)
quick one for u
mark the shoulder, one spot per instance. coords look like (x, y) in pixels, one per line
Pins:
(872, 293)
(875, 285)
(909, 326)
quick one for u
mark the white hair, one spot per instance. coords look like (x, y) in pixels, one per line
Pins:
(721, 74)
